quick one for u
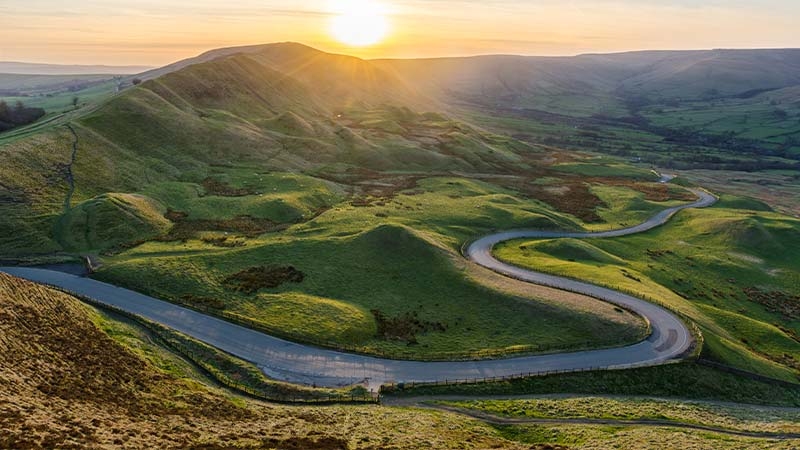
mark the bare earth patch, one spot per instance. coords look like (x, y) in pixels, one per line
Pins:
(253, 279)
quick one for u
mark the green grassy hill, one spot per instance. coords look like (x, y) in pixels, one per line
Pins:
(325, 199)
(710, 109)
(286, 157)
(370, 283)
(283, 108)
(110, 220)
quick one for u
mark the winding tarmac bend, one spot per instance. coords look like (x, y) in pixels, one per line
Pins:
(300, 363)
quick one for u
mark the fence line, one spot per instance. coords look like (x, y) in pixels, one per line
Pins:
(223, 379)
(391, 387)
(747, 374)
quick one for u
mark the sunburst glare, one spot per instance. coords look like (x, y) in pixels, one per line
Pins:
(359, 23)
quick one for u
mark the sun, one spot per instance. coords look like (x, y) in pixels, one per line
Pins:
(359, 23)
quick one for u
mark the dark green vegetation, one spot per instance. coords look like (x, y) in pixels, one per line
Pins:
(17, 115)
(48, 98)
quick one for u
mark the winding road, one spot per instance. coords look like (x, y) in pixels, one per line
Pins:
(299, 363)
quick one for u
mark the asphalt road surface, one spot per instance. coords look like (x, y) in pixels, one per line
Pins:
(300, 363)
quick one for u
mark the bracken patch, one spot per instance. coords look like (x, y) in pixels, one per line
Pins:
(654, 192)
(224, 242)
(251, 280)
(776, 301)
(222, 189)
(404, 328)
(576, 199)
(184, 229)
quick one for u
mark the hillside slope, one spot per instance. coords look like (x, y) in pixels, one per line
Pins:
(65, 383)
(281, 107)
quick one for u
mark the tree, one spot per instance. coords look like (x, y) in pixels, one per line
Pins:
(137, 81)
(780, 114)
(75, 101)
(19, 114)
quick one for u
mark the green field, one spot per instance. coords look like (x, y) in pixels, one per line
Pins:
(59, 101)
(327, 200)
(551, 410)
(772, 117)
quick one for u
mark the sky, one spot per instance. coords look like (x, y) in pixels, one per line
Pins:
(157, 32)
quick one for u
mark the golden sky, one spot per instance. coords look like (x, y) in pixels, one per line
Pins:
(157, 32)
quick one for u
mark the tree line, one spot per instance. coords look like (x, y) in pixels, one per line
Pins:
(17, 115)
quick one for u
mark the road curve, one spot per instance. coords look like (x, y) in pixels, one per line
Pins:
(294, 362)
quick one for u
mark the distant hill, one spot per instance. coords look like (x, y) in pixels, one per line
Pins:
(334, 75)
(658, 75)
(653, 74)
(23, 68)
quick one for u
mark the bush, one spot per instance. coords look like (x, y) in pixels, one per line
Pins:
(18, 115)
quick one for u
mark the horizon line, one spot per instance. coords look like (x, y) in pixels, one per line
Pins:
(146, 66)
